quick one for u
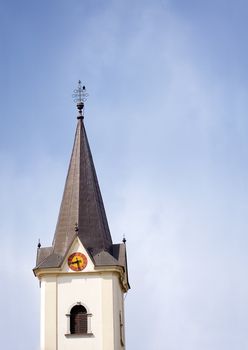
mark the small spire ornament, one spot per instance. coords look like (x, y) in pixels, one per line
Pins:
(39, 244)
(80, 96)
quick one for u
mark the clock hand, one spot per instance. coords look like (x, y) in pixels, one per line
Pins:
(73, 262)
(76, 262)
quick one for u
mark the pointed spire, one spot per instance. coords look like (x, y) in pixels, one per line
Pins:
(82, 202)
(82, 212)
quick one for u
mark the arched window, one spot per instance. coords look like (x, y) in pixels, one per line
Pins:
(78, 320)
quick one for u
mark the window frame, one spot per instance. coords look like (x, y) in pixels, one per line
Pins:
(78, 320)
(68, 323)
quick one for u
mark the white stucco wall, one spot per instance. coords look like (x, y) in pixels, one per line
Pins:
(87, 291)
(118, 301)
(98, 291)
(48, 332)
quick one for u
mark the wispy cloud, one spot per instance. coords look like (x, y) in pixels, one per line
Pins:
(167, 125)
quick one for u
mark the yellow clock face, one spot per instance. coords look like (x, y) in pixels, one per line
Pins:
(77, 261)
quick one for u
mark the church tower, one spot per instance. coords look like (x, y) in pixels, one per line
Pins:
(83, 275)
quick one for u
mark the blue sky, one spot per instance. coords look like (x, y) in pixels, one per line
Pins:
(167, 122)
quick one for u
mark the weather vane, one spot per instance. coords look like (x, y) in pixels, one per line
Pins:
(80, 96)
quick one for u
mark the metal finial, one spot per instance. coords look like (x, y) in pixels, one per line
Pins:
(39, 244)
(124, 239)
(80, 96)
(76, 227)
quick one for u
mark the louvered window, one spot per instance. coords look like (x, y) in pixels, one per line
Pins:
(78, 320)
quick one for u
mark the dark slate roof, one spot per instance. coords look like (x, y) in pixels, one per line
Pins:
(105, 258)
(42, 254)
(82, 202)
(53, 260)
(116, 256)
